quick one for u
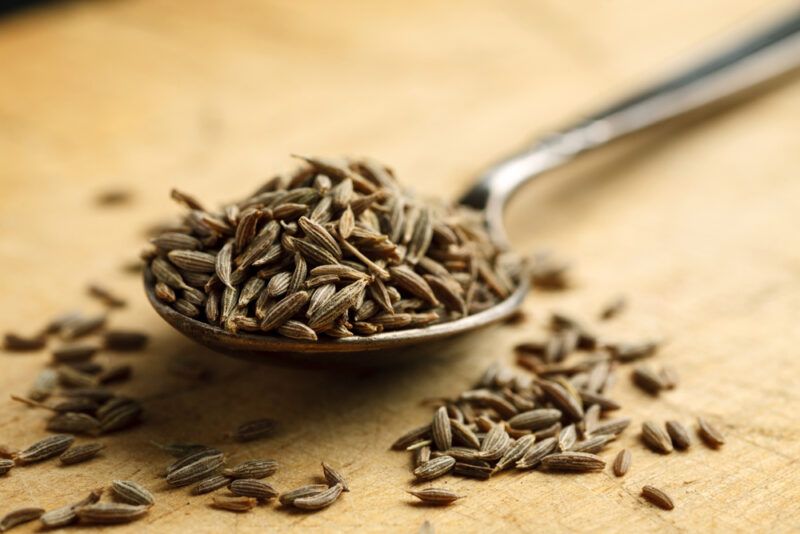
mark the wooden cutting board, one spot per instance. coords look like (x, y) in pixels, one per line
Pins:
(698, 226)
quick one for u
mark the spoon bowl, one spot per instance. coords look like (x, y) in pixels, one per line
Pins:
(377, 349)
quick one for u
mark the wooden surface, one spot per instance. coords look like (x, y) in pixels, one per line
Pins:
(697, 226)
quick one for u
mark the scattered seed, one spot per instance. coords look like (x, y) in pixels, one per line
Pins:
(18, 517)
(125, 340)
(132, 493)
(710, 435)
(334, 477)
(256, 429)
(579, 462)
(248, 487)
(46, 448)
(656, 438)
(678, 434)
(435, 468)
(288, 498)
(252, 469)
(320, 500)
(658, 497)
(622, 462)
(81, 453)
(110, 513)
(435, 496)
(211, 484)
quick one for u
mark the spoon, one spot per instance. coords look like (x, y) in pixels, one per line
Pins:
(746, 64)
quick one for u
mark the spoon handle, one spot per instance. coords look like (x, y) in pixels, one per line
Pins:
(745, 64)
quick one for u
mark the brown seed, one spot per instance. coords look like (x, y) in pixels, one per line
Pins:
(334, 477)
(710, 435)
(535, 419)
(81, 453)
(442, 434)
(678, 434)
(196, 471)
(132, 493)
(5, 465)
(463, 434)
(578, 462)
(193, 260)
(18, 517)
(536, 452)
(223, 263)
(288, 498)
(656, 438)
(337, 305)
(252, 469)
(612, 426)
(435, 468)
(669, 377)
(175, 240)
(110, 513)
(44, 385)
(415, 284)
(125, 340)
(516, 452)
(495, 444)
(118, 414)
(77, 352)
(613, 308)
(593, 444)
(66, 515)
(284, 310)
(106, 296)
(46, 448)
(648, 380)
(211, 484)
(435, 496)
(622, 462)
(234, 504)
(186, 454)
(480, 471)
(411, 437)
(297, 330)
(658, 497)
(249, 487)
(562, 399)
(319, 500)
(256, 429)
(17, 343)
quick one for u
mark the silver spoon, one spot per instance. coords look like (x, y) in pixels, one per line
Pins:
(774, 51)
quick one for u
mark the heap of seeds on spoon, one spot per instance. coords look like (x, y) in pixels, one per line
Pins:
(335, 249)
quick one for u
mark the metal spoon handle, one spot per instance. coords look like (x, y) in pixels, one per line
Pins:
(773, 51)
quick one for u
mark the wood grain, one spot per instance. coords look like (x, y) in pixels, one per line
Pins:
(697, 225)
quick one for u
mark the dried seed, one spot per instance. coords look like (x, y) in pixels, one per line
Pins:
(593, 444)
(567, 438)
(17, 343)
(125, 340)
(46, 448)
(44, 385)
(132, 493)
(284, 310)
(176, 241)
(656, 438)
(442, 435)
(516, 452)
(106, 296)
(710, 435)
(18, 517)
(297, 330)
(648, 380)
(535, 419)
(658, 497)
(411, 437)
(193, 260)
(435, 496)
(83, 326)
(248, 487)
(334, 477)
(622, 462)
(678, 434)
(211, 484)
(578, 462)
(252, 469)
(346, 223)
(118, 414)
(77, 352)
(223, 263)
(61, 517)
(234, 504)
(536, 452)
(415, 284)
(288, 498)
(612, 426)
(194, 472)
(319, 235)
(613, 308)
(463, 434)
(110, 513)
(118, 373)
(495, 444)
(480, 471)
(435, 468)
(340, 302)
(562, 399)
(256, 429)
(669, 377)
(5, 465)
(319, 500)
(81, 453)
(193, 454)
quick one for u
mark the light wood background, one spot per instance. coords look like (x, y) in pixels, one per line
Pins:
(698, 226)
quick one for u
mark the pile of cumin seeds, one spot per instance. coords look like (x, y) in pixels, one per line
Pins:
(555, 413)
(335, 248)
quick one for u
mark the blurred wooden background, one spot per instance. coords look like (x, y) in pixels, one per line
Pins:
(697, 226)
